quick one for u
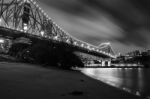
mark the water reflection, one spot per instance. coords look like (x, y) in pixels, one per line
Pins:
(135, 80)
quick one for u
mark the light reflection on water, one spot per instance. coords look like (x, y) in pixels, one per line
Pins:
(134, 80)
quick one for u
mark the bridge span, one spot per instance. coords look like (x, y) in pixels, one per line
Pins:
(25, 18)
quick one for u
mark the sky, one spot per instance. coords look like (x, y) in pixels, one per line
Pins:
(124, 23)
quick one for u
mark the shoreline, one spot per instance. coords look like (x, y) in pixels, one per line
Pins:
(25, 81)
(134, 92)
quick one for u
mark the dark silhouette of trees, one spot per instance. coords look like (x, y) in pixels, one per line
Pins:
(145, 60)
(48, 54)
(17, 48)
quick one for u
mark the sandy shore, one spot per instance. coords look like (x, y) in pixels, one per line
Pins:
(24, 81)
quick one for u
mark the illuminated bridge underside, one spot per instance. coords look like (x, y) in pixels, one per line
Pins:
(26, 17)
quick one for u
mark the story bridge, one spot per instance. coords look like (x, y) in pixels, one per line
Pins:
(26, 19)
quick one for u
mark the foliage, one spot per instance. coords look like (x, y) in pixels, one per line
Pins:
(16, 48)
(49, 54)
(145, 60)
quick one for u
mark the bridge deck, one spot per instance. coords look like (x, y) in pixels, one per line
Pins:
(13, 34)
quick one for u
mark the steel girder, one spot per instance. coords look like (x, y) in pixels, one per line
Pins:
(13, 13)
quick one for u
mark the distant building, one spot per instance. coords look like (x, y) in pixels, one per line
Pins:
(134, 53)
(147, 53)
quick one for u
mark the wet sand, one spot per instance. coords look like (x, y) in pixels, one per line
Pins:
(25, 81)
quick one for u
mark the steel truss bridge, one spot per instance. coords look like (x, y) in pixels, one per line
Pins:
(27, 17)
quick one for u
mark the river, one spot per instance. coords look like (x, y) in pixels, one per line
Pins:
(132, 80)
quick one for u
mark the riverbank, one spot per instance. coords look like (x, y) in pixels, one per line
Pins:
(25, 81)
(7, 58)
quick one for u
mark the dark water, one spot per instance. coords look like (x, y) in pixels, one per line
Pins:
(133, 80)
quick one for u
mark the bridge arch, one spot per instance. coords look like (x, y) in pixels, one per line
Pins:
(27, 17)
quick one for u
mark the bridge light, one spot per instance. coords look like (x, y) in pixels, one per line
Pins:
(2, 41)
(34, 2)
(107, 54)
(25, 27)
(75, 43)
(47, 16)
(21, 30)
(102, 52)
(44, 14)
(37, 5)
(17, 29)
(108, 43)
(42, 11)
(42, 33)
(68, 41)
(26, 1)
(82, 45)
(56, 37)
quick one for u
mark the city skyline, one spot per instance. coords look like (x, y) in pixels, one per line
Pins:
(101, 21)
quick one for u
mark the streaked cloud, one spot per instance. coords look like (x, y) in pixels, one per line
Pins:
(123, 22)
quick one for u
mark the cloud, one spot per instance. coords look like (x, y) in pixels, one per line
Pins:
(123, 21)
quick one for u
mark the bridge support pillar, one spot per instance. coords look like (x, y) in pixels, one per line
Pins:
(109, 63)
(103, 63)
(106, 63)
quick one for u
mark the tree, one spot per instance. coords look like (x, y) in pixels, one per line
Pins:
(17, 48)
(53, 55)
